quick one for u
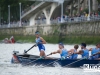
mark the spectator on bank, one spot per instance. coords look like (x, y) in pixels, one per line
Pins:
(99, 13)
(66, 18)
(86, 15)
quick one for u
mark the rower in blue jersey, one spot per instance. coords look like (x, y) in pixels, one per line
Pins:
(84, 51)
(72, 51)
(62, 51)
(94, 51)
(99, 52)
(40, 41)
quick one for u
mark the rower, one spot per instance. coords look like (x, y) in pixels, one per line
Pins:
(40, 41)
(94, 51)
(62, 51)
(72, 51)
(99, 52)
(84, 51)
(96, 55)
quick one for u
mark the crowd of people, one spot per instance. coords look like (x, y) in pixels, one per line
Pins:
(65, 18)
(80, 17)
(94, 16)
(14, 24)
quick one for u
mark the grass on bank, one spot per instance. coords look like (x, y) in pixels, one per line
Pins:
(57, 39)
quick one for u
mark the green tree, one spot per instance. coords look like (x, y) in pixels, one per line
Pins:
(14, 8)
(98, 1)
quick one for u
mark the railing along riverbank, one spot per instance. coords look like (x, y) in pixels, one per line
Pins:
(53, 21)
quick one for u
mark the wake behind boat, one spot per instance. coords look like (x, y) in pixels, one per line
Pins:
(27, 59)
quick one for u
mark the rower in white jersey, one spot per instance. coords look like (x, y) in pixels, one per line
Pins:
(72, 51)
(62, 51)
(84, 51)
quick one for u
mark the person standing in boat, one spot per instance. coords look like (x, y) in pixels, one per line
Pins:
(94, 51)
(39, 42)
(62, 51)
(84, 51)
(72, 51)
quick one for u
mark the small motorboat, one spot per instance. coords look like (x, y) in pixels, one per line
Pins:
(11, 40)
(27, 59)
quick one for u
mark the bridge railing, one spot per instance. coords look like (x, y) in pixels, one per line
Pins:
(39, 22)
(14, 25)
(69, 20)
(77, 19)
(31, 7)
(53, 21)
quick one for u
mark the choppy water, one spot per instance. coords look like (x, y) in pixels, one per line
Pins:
(6, 68)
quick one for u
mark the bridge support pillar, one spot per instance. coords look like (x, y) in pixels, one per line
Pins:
(48, 11)
(32, 20)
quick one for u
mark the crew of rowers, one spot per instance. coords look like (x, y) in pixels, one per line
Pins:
(70, 54)
(84, 52)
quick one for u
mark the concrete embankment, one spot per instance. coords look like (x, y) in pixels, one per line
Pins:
(78, 32)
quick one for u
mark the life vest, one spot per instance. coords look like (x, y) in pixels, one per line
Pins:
(85, 53)
(64, 53)
(74, 56)
(94, 51)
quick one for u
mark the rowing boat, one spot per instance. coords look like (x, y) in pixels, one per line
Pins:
(27, 59)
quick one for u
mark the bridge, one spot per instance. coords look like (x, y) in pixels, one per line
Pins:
(47, 9)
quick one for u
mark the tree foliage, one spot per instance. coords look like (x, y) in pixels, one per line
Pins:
(14, 8)
(98, 1)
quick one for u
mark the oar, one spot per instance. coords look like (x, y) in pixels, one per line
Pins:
(52, 62)
(30, 48)
(79, 60)
(36, 60)
(73, 62)
(57, 60)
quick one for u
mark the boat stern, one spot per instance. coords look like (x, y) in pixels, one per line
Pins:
(15, 58)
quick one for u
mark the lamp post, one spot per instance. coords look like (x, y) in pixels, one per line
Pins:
(20, 13)
(78, 6)
(89, 10)
(61, 2)
(62, 13)
(0, 15)
(9, 15)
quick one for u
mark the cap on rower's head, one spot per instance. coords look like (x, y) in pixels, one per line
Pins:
(61, 44)
(37, 32)
(83, 44)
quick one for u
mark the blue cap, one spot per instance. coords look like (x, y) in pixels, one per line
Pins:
(61, 44)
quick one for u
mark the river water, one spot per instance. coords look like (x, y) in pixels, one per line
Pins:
(6, 68)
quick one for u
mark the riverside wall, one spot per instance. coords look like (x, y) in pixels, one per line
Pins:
(75, 28)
